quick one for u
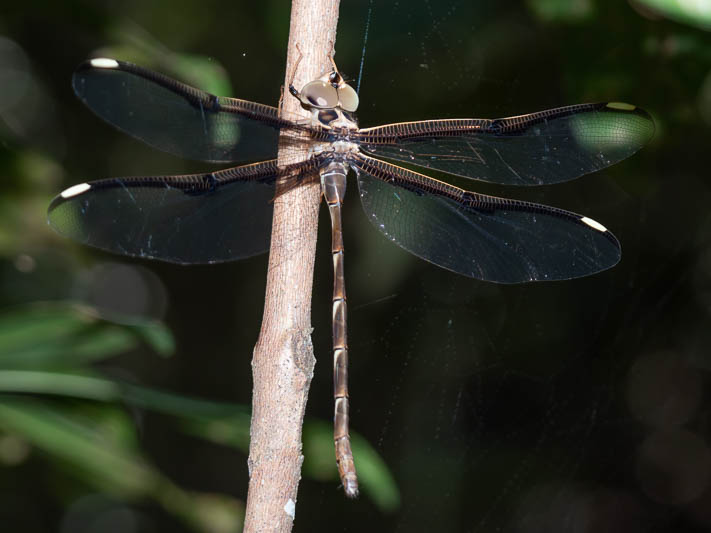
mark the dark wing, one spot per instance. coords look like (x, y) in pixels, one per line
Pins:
(198, 218)
(541, 148)
(484, 237)
(176, 118)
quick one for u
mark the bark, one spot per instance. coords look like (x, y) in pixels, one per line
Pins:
(283, 361)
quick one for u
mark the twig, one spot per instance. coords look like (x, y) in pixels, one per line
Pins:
(283, 360)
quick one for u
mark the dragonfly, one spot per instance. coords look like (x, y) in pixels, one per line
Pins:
(226, 215)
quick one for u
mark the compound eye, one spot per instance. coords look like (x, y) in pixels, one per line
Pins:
(347, 98)
(319, 94)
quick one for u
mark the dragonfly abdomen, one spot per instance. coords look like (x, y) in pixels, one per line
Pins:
(333, 186)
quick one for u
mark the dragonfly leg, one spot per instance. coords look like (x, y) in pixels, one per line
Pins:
(292, 89)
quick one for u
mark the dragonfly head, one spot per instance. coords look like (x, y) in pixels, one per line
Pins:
(329, 92)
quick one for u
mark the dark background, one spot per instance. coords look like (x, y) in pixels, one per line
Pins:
(567, 406)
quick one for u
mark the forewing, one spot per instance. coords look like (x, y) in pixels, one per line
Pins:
(546, 147)
(176, 118)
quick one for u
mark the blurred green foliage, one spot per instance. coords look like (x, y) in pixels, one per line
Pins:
(47, 351)
(696, 13)
(562, 10)
(50, 350)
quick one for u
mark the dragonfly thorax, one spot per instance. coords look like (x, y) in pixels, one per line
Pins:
(337, 150)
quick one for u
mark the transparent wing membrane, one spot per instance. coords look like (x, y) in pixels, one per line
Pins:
(484, 237)
(176, 118)
(197, 218)
(541, 148)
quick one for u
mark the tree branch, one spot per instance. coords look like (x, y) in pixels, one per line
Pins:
(283, 361)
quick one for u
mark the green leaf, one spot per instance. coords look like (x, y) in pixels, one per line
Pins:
(83, 443)
(692, 13)
(90, 387)
(157, 336)
(98, 445)
(202, 71)
(139, 46)
(58, 383)
(60, 336)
